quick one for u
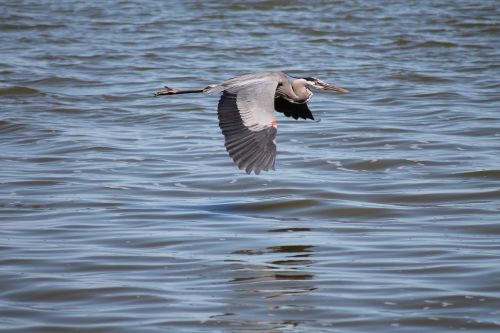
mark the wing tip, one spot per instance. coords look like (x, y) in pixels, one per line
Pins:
(262, 163)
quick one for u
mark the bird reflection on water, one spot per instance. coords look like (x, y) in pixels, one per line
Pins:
(271, 281)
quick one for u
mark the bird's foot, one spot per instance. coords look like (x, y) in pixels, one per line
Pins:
(166, 91)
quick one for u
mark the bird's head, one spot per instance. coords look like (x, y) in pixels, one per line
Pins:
(315, 83)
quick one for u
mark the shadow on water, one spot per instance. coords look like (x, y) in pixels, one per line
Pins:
(273, 282)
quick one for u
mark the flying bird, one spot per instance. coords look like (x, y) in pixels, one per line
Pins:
(247, 108)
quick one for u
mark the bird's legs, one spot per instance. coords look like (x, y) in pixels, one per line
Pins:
(171, 91)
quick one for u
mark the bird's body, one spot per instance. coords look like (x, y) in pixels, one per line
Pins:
(247, 113)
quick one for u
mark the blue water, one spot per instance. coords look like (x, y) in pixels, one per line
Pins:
(122, 212)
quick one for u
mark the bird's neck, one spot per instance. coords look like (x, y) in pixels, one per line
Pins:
(301, 91)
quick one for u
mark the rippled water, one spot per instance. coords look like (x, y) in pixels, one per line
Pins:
(121, 212)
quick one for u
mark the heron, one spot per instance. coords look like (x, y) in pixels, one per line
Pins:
(246, 112)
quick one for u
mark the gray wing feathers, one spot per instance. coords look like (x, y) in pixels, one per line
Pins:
(246, 118)
(255, 97)
(252, 150)
(235, 84)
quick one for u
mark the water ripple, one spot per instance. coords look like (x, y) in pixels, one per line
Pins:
(121, 212)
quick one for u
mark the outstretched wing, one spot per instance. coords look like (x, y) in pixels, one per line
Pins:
(246, 118)
(293, 110)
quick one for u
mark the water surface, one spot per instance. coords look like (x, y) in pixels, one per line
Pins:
(121, 212)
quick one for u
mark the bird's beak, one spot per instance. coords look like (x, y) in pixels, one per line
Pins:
(331, 87)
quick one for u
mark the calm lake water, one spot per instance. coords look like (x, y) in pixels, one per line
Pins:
(121, 212)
